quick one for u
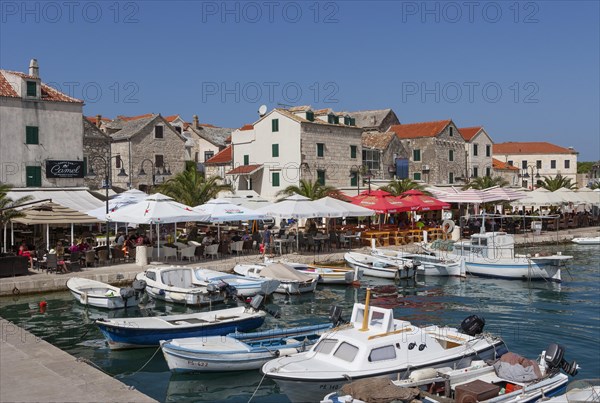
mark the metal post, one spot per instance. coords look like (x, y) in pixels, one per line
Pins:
(107, 226)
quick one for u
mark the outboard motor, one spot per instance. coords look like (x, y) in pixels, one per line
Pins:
(229, 290)
(212, 287)
(257, 301)
(335, 315)
(472, 325)
(555, 360)
(127, 292)
(139, 285)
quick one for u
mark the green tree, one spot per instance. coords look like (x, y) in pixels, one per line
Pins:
(399, 186)
(313, 190)
(192, 188)
(584, 167)
(484, 182)
(595, 185)
(7, 212)
(557, 182)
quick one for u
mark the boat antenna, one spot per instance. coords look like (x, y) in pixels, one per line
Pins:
(365, 324)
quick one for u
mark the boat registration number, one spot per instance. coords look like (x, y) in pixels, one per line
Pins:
(329, 386)
(197, 363)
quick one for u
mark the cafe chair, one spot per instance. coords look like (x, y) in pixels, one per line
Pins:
(189, 253)
(212, 250)
(90, 258)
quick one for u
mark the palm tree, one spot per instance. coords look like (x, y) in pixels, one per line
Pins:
(557, 182)
(192, 188)
(484, 182)
(313, 190)
(595, 185)
(399, 186)
(6, 204)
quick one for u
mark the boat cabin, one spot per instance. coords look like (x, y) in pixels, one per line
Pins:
(493, 245)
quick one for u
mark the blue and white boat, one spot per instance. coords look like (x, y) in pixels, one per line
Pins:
(511, 379)
(238, 351)
(244, 286)
(149, 331)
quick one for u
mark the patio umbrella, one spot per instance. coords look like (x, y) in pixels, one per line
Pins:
(589, 195)
(383, 202)
(570, 196)
(505, 194)
(540, 197)
(118, 201)
(221, 210)
(424, 202)
(156, 209)
(341, 208)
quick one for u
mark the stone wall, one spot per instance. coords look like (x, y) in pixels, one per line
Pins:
(96, 150)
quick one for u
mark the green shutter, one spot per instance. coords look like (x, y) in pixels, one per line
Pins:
(321, 177)
(451, 177)
(352, 151)
(310, 115)
(354, 179)
(417, 176)
(31, 135)
(450, 155)
(246, 160)
(416, 155)
(31, 88)
(275, 150)
(320, 149)
(275, 125)
(34, 176)
(275, 177)
(85, 162)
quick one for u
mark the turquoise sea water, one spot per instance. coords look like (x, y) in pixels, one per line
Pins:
(528, 316)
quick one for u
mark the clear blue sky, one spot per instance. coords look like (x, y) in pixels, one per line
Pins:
(527, 71)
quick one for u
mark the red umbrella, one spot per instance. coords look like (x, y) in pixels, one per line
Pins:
(383, 202)
(424, 202)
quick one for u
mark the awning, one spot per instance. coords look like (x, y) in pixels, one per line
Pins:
(53, 213)
(245, 170)
(79, 199)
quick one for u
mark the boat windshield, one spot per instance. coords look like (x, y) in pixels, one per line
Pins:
(346, 352)
(325, 346)
(382, 353)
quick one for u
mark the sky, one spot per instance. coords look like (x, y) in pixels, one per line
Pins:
(526, 71)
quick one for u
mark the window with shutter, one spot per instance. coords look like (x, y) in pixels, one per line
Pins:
(32, 135)
(246, 159)
(275, 150)
(158, 132)
(275, 177)
(31, 89)
(416, 155)
(158, 161)
(275, 125)
(33, 176)
(321, 177)
(353, 151)
(320, 150)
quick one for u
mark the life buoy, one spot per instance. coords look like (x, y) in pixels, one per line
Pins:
(447, 226)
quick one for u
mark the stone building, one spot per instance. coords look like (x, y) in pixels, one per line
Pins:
(478, 148)
(41, 134)
(148, 148)
(437, 151)
(220, 164)
(537, 159)
(286, 145)
(384, 156)
(374, 120)
(507, 172)
(96, 150)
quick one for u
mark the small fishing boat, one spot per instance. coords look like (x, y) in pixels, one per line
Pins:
(291, 281)
(101, 295)
(378, 267)
(329, 274)
(511, 379)
(375, 344)
(245, 286)
(149, 331)
(238, 351)
(176, 284)
(587, 240)
(430, 264)
(585, 390)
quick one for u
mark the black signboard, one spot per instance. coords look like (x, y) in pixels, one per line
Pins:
(64, 169)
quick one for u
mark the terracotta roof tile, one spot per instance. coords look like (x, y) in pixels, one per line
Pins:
(47, 93)
(244, 169)
(423, 129)
(497, 164)
(300, 108)
(6, 90)
(377, 140)
(228, 139)
(532, 147)
(325, 111)
(222, 157)
(171, 118)
(92, 119)
(469, 132)
(247, 127)
(129, 118)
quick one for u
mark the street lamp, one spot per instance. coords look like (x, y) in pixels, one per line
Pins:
(368, 175)
(526, 175)
(106, 184)
(155, 170)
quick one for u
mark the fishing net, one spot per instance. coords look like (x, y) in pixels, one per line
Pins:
(379, 390)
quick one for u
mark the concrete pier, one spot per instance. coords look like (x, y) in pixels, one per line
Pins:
(32, 370)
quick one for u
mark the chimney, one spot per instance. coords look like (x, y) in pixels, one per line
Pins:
(98, 120)
(34, 69)
(196, 122)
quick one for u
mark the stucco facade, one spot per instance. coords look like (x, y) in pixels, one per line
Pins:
(37, 123)
(478, 148)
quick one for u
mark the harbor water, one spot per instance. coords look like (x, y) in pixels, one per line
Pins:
(529, 316)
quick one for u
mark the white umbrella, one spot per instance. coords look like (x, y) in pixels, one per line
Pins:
(341, 208)
(505, 194)
(156, 209)
(589, 195)
(221, 210)
(570, 196)
(540, 197)
(295, 206)
(118, 201)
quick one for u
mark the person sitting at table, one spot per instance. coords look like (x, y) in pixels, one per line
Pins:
(236, 237)
(208, 239)
(246, 236)
(60, 258)
(24, 251)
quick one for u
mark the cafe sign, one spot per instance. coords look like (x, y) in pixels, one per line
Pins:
(64, 169)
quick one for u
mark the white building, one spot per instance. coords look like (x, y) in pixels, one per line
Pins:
(286, 145)
(478, 145)
(536, 160)
(41, 133)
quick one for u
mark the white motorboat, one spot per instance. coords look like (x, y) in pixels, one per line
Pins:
(101, 295)
(238, 351)
(587, 240)
(511, 379)
(244, 286)
(372, 344)
(430, 264)
(141, 332)
(492, 254)
(329, 274)
(291, 280)
(176, 284)
(379, 267)
(585, 390)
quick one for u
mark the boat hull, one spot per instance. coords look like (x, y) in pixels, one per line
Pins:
(100, 295)
(513, 270)
(587, 241)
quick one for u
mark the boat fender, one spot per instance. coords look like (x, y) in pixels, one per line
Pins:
(447, 226)
(84, 298)
(422, 347)
(412, 345)
(287, 351)
(420, 374)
